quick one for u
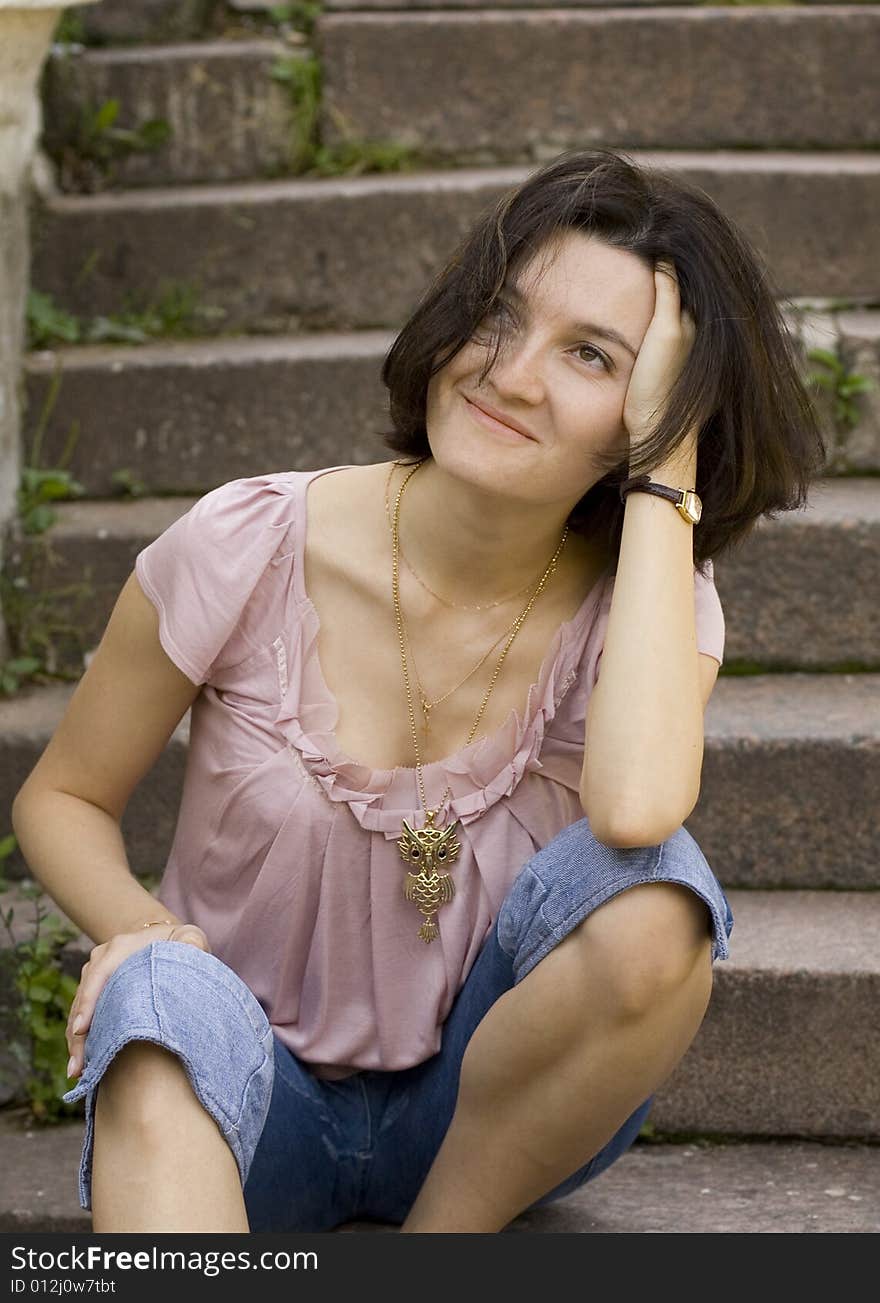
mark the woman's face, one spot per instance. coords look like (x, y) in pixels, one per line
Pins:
(557, 375)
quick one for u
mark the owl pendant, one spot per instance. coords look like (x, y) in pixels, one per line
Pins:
(428, 849)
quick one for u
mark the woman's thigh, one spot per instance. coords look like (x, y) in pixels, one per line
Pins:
(308, 1165)
(555, 891)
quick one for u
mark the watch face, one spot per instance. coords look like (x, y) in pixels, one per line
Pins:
(693, 506)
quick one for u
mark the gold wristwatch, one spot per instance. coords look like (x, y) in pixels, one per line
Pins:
(686, 501)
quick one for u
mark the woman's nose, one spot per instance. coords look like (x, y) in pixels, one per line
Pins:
(518, 370)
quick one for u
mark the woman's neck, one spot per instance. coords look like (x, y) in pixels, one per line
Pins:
(472, 545)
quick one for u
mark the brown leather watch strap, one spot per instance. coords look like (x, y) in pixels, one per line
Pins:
(645, 484)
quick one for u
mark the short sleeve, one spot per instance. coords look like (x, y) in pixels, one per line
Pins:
(708, 614)
(708, 617)
(202, 570)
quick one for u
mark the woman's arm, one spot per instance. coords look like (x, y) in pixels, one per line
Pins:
(643, 745)
(643, 749)
(67, 815)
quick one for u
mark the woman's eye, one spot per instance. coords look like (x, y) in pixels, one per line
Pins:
(588, 348)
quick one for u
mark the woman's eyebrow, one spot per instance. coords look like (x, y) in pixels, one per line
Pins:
(579, 327)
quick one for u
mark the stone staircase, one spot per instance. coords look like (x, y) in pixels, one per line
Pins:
(296, 285)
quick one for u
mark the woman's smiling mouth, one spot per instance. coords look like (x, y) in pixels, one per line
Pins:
(498, 426)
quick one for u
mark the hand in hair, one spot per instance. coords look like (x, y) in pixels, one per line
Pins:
(661, 358)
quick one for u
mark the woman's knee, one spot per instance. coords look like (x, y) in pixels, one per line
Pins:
(173, 1014)
(642, 947)
(574, 876)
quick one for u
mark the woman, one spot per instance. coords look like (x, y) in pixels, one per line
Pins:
(443, 933)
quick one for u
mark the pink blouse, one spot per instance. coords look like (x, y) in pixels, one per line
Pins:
(285, 849)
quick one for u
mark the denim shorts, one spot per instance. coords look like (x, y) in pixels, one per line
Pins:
(313, 1153)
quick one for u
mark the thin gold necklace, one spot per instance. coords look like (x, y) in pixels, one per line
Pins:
(432, 846)
(424, 701)
(485, 606)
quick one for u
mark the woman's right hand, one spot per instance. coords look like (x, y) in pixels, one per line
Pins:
(99, 967)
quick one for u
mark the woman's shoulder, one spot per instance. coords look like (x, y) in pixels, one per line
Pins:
(274, 500)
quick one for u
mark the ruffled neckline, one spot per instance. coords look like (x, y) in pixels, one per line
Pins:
(478, 774)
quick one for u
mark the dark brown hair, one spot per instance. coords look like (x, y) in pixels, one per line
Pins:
(760, 444)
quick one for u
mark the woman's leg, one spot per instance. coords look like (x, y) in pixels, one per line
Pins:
(611, 984)
(160, 1160)
(177, 1080)
(549, 1075)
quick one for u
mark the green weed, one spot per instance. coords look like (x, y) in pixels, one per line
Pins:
(89, 150)
(299, 17)
(175, 313)
(843, 385)
(44, 995)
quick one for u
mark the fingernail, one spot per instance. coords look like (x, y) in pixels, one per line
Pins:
(77, 1024)
(70, 1066)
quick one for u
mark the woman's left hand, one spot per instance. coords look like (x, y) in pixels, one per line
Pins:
(661, 358)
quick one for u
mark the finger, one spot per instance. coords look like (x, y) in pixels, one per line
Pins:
(80, 1018)
(76, 1040)
(666, 284)
(192, 934)
(74, 1015)
(668, 299)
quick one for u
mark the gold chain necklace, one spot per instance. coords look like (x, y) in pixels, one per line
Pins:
(486, 606)
(432, 846)
(425, 703)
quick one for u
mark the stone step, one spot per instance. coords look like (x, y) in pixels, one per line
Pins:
(357, 253)
(224, 115)
(144, 20)
(315, 398)
(541, 81)
(358, 6)
(228, 119)
(793, 1187)
(795, 593)
(790, 1044)
(791, 771)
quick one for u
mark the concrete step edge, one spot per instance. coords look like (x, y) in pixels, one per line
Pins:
(835, 501)
(817, 314)
(176, 51)
(745, 162)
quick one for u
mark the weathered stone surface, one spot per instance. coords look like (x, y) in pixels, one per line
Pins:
(489, 87)
(860, 352)
(777, 587)
(226, 116)
(770, 1188)
(188, 415)
(145, 20)
(357, 253)
(791, 768)
(357, 6)
(790, 1044)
